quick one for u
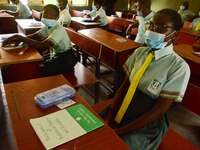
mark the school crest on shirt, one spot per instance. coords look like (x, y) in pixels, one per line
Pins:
(154, 86)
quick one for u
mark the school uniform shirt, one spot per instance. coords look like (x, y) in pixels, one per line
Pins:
(186, 14)
(166, 76)
(194, 23)
(65, 18)
(141, 28)
(57, 36)
(102, 14)
(23, 10)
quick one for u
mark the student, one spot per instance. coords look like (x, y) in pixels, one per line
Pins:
(145, 14)
(22, 11)
(184, 12)
(65, 17)
(99, 14)
(145, 123)
(54, 37)
(195, 25)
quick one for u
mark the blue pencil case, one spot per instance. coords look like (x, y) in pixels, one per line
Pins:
(54, 96)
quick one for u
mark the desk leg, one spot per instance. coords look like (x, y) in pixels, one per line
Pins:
(117, 73)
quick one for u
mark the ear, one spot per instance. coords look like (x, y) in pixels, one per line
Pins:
(175, 38)
(175, 35)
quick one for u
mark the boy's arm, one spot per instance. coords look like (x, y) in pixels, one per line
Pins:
(13, 13)
(40, 46)
(134, 25)
(96, 18)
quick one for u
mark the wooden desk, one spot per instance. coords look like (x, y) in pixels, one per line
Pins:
(185, 51)
(22, 108)
(78, 24)
(6, 22)
(114, 53)
(19, 64)
(188, 36)
(28, 26)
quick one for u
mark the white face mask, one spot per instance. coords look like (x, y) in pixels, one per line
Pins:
(48, 22)
(155, 40)
(94, 8)
(182, 8)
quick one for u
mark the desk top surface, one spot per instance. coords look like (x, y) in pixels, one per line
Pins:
(5, 15)
(109, 39)
(191, 32)
(79, 20)
(27, 24)
(186, 51)
(22, 108)
(17, 56)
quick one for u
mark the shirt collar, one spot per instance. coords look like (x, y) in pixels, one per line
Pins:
(163, 52)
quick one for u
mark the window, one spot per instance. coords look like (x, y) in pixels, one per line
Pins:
(40, 2)
(78, 2)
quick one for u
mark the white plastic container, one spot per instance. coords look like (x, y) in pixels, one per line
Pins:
(54, 96)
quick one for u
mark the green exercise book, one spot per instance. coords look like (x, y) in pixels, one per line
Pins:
(64, 125)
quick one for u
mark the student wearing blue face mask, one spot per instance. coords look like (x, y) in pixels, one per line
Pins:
(54, 37)
(23, 11)
(145, 14)
(164, 81)
(65, 17)
(195, 25)
(99, 14)
(184, 12)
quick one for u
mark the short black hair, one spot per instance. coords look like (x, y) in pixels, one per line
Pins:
(65, 2)
(146, 3)
(175, 17)
(100, 2)
(53, 7)
(186, 4)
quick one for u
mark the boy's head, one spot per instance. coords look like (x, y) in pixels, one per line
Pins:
(50, 11)
(15, 1)
(144, 6)
(168, 22)
(185, 5)
(62, 4)
(98, 3)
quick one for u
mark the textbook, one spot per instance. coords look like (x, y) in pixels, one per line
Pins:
(65, 125)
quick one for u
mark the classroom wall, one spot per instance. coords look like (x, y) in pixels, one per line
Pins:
(175, 4)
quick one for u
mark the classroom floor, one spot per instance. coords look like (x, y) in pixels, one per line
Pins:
(181, 120)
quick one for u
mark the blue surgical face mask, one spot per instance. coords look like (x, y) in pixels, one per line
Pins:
(139, 13)
(155, 40)
(94, 8)
(135, 4)
(182, 8)
(48, 22)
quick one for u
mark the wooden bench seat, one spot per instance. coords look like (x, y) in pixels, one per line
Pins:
(81, 76)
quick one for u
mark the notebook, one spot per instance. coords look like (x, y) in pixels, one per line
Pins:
(65, 125)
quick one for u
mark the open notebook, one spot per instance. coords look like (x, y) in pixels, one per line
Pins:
(65, 125)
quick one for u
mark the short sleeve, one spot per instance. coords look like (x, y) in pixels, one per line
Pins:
(177, 82)
(129, 64)
(43, 32)
(55, 37)
(20, 9)
(92, 13)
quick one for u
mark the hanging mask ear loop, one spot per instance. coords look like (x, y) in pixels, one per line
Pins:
(170, 35)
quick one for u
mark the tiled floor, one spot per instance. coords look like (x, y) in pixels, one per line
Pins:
(182, 121)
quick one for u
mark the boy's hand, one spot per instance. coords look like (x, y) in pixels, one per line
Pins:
(11, 40)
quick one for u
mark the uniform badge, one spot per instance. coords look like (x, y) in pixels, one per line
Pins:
(154, 86)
